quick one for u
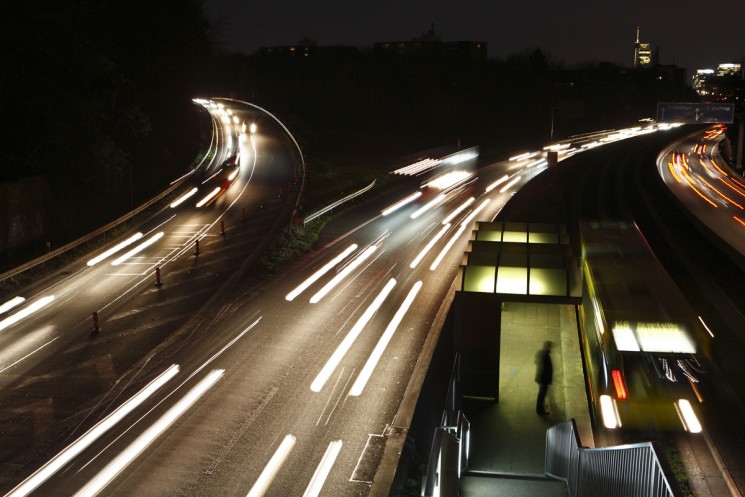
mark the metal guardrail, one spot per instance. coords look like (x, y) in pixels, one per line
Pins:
(448, 458)
(633, 469)
(332, 206)
(126, 217)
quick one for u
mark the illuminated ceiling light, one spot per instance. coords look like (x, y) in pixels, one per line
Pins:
(343, 274)
(138, 248)
(458, 210)
(14, 302)
(401, 203)
(326, 268)
(252, 128)
(323, 469)
(377, 353)
(429, 246)
(209, 196)
(346, 344)
(26, 311)
(271, 468)
(75, 448)
(133, 450)
(184, 197)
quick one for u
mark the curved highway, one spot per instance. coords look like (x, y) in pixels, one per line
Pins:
(285, 387)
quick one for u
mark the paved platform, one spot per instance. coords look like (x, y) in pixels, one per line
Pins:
(508, 438)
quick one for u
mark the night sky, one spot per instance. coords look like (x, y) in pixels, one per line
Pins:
(690, 34)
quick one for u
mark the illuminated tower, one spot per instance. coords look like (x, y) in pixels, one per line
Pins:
(642, 53)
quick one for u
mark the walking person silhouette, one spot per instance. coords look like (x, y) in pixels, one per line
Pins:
(543, 376)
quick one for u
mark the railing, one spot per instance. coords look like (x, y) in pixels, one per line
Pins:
(330, 207)
(52, 254)
(634, 469)
(448, 458)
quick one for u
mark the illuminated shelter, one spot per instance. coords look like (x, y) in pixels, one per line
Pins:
(507, 262)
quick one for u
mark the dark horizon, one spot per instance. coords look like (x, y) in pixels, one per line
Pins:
(584, 31)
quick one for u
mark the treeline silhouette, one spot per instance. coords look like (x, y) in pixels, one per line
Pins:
(96, 112)
(95, 99)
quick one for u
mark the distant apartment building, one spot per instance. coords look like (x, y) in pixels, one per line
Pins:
(725, 83)
(430, 44)
(644, 54)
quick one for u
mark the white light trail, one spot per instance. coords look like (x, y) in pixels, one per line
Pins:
(115, 249)
(323, 469)
(121, 461)
(497, 183)
(333, 262)
(377, 353)
(26, 311)
(209, 196)
(184, 197)
(458, 210)
(343, 274)
(14, 302)
(510, 184)
(447, 180)
(447, 247)
(270, 471)
(437, 200)
(346, 344)
(401, 203)
(417, 167)
(138, 248)
(475, 212)
(429, 246)
(526, 155)
(75, 448)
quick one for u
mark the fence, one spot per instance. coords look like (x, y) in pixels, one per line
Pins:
(634, 469)
(330, 207)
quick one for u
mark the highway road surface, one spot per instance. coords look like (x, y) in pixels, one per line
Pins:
(214, 383)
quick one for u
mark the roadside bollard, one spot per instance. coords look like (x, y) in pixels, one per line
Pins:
(157, 277)
(222, 228)
(243, 213)
(96, 327)
(196, 245)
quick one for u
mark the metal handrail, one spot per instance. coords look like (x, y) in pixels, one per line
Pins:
(100, 231)
(328, 208)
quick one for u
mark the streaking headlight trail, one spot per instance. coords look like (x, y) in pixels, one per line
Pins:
(138, 248)
(271, 468)
(113, 250)
(112, 470)
(325, 269)
(75, 448)
(401, 203)
(209, 196)
(458, 210)
(344, 346)
(429, 246)
(343, 274)
(184, 197)
(26, 311)
(377, 353)
(14, 302)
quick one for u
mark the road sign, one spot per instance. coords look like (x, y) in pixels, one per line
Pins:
(692, 113)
